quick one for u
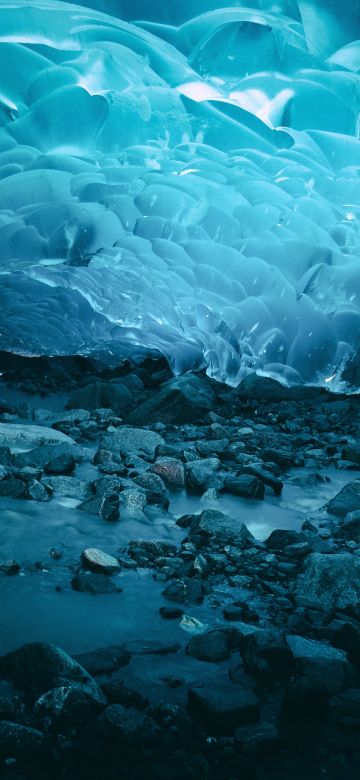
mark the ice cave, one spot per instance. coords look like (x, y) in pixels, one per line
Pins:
(183, 178)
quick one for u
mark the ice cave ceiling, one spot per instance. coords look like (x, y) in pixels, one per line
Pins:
(183, 177)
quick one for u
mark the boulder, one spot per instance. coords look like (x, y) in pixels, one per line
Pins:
(22, 743)
(184, 591)
(101, 395)
(132, 441)
(245, 486)
(215, 524)
(105, 660)
(99, 562)
(320, 663)
(171, 470)
(222, 708)
(20, 435)
(38, 667)
(180, 400)
(267, 655)
(68, 704)
(329, 581)
(347, 500)
(213, 646)
(96, 584)
(40, 457)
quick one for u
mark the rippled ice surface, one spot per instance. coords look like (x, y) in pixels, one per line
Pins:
(33, 610)
(184, 178)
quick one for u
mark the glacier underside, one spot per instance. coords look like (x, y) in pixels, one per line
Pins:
(188, 183)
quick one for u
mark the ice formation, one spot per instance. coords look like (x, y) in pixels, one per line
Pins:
(185, 178)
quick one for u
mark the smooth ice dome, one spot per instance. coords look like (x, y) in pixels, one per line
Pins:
(187, 183)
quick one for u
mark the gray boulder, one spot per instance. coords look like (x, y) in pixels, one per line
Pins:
(329, 581)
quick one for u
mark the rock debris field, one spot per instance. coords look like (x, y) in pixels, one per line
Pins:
(180, 576)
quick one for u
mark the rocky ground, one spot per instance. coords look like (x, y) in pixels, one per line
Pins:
(252, 666)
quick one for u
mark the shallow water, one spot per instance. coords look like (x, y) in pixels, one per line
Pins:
(31, 608)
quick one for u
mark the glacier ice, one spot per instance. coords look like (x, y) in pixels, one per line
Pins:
(185, 178)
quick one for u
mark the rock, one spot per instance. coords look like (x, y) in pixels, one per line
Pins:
(105, 660)
(38, 667)
(257, 739)
(6, 457)
(110, 507)
(352, 452)
(101, 395)
(14, 488)
(283, 538)
(329, 581)
(70, 417)
(267, 655)
(185, 591)
(171, 470)
(215, 524)
(69, 487)
(347, 500)
(320, 662)
(222, 708)
(41, 456)
(200, 475)
(65, 706)
(9, 567)
(130, 725)
(213, 646)
(345, 707)
(13, 435)
(97, 584)
(266, 477)
(212, 447)
(37, 491)
(182, 399)
(22, 743)
(60, 464)
(117, 692)
(171, 613)
(245, 486)
(133, 500)
(151, 482)
(132, 441)
(304, 701)
(98, 561)
(350, 528)
(151, 647)
(345, 634)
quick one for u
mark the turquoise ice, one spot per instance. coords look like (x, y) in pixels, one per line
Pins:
(183, 179)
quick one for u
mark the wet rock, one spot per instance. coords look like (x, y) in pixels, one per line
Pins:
(117, 692)
(171, 470)
(245, 486)
(110, 507)
(171, 613)
(347, 500)
(352, 452)
(320, 662)
(105, 660)
(14, 435)
(37, 491)
(267, 655)
(222, 708)
(97, 584)
(213, 646)
(304, 702)
(182, 399)
(201, 474)
(132, 441)
(100, 562)
(350, 528)
(101, 395)
(212, 447)
(40, 457)
(330, 581)
(151, 482)
(133, 500)
(258, 739)
(345, 634)
(215, 524)
(65, 706)
(6, 457)
(129, 725)
(70, 417)
(345, 707)
(9, 567)
(38, 667)
(185, 591)
(282, 538)
(22, 743)
(69, 487)
(266, 477)
(60, 464)
(12, 487)
(151, 647)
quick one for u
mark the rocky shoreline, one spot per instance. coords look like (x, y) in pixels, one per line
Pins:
(253, 669)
